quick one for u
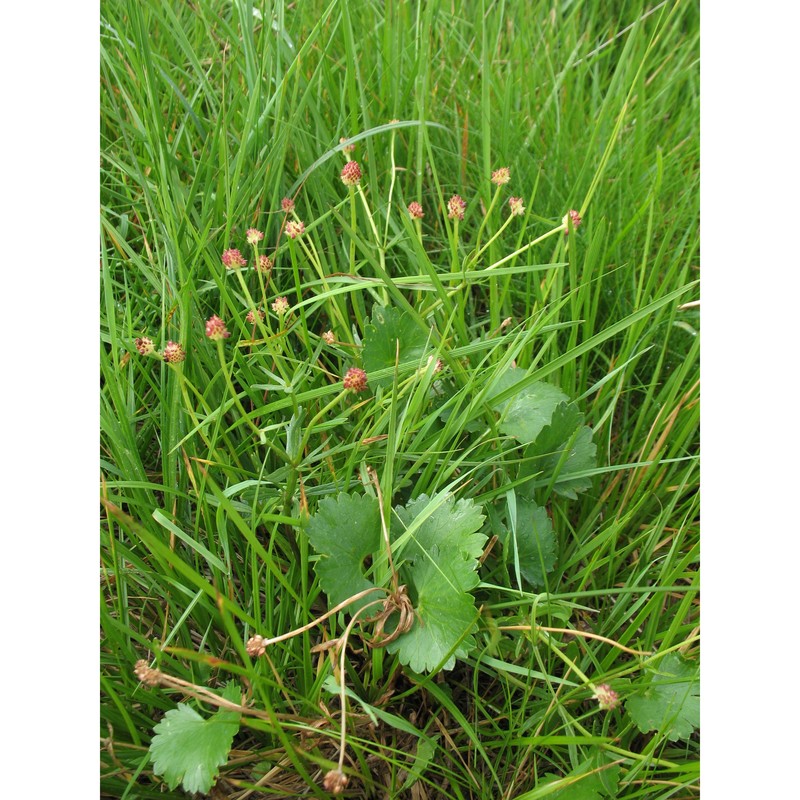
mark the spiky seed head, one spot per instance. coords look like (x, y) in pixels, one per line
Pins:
(501, 176)
(174, 353)
(456, 207)
(254, 236)
(574, 216)
(216, 330)
(355, 379)
(606, 697)
(348, 148)
(328, 337)
(415, 210)
(264, 264)
(280, 306)
(295, 229)
(287, 204)
(233, 258)
(145, 346)
(351, 174)
(515, 204)
(252, 316)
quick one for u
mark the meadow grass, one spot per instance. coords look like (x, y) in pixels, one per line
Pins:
(211, 115)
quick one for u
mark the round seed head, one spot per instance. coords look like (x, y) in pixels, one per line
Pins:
(233, 258)
(456, 207)
(501, 176)
(216, 330)
(174, 353)
(355, 379)
(415, 210)
(351, 174)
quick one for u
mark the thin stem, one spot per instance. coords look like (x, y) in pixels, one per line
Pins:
(317, 620)
(224, 367)
(571, 632)
(377, 484)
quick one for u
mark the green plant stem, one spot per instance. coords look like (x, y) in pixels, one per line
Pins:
(226, 373)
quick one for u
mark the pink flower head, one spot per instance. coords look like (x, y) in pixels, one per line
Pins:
(254, 236)
(348, 148)
(233, 258)
(145, 345)
(287, 204)
(295, 229)
(501, 176)
(351, 174)
(173, 353)
(252, 316)
(415, 210)
(280, 306)
(456, 207)
(355, 379)
(264, 264)
(606, 697)
(515, 204)
(574, 216)
(328, 337)
(216, 330)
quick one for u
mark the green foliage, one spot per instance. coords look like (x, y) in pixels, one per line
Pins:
(440, 565)
(668, 698)
(561, 452)
(529, 409)
(345, 530)
(594, 779)
(437, 552)
(209, 467)
(531, 542)
(189, 750)
(392, 336)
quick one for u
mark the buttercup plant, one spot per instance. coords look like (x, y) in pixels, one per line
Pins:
(371, 456)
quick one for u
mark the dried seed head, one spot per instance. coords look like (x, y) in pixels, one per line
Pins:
(295, 229)
(216, 330)
(334, 781)
(174, 353)
(254, 236)
(264, 264)
(287, 204)
(348, 148)
(328, 337)
(515, 204)
(252, 316)
(415, 210)
(355, 379)
(255, 646)
(351, 174)
(606, 697)
(145, 345)
(149, 677)
(280, 306)
(575, 217)
(501, 176)
(233, 258)
(456, 207)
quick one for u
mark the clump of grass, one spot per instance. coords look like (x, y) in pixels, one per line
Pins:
(518, 185)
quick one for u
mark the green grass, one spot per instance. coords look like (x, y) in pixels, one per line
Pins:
(210, 116)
